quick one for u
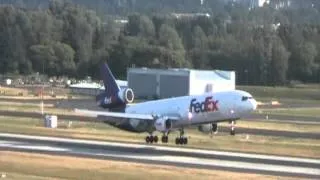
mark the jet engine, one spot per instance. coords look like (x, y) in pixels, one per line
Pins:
(126, 95)
(163, 124)
(207, 128)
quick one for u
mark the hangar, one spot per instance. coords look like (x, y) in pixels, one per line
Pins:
(164, 83)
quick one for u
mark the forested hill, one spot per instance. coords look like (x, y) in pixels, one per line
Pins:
(266, 45)
(125, 7)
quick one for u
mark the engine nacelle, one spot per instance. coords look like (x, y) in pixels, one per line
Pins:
(163, 124)
(126, 95)
(207, 128)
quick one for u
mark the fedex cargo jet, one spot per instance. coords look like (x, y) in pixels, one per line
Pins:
(167, 115)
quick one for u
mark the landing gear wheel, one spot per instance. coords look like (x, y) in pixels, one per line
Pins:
(181, 140)
(185, 140)
(151, 139)
(232, 132)
(155, 139)
(177, 140)
(147, 139)
(164, 139)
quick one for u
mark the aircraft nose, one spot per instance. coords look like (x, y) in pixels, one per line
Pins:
(254, 104)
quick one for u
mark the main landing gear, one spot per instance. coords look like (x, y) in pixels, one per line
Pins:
(181, 139)
(154, 139)
(164, 139)
(151, 139)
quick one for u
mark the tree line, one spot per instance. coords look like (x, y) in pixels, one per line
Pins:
(265, 46)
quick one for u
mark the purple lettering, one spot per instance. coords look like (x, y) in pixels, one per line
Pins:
(208, 105)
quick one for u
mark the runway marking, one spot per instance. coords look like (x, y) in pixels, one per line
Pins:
(19, 145)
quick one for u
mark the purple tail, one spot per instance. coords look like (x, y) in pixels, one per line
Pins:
(110, 99)
(110, 84)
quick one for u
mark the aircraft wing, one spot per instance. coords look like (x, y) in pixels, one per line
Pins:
(120, 117)
(114, 115)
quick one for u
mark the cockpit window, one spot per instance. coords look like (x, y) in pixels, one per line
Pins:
(245, 98)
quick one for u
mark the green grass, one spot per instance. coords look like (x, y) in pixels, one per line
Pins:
(221, 141)
(312, 112)
(279, 126)
(309, 93)
(10, 91)
(33, 108)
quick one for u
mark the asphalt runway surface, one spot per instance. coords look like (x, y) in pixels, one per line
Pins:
(239, 130)
(155, 154)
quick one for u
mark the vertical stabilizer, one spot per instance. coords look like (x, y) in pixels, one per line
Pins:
(110, 84)
(113, 98)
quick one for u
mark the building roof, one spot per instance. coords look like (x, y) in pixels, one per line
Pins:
(86, 85)
(180, 71)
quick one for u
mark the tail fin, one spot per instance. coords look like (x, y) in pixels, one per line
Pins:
(110, 84)
(113, 98)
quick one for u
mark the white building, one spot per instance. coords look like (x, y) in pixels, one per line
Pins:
(93, 88)
(163, 83)
(258, 3)
(281, 4)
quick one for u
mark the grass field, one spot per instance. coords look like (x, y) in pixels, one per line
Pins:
(309, 93)
(280, 126)
(313, 112)
(38, 166)
(48, 108)
(8, 91)
(221, 141)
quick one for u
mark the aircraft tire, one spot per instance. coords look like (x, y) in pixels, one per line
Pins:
(232, 132)
(164, 139)
(184, 140)
(155, 139)
(147, 139)
(181, 140)
(177, 140)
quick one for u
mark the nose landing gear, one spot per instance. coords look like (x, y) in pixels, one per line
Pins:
(232, 127)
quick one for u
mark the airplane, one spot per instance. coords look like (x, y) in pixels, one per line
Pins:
(170, 114)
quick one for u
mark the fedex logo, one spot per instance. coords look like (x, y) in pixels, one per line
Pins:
(109, 100)
(208, 105)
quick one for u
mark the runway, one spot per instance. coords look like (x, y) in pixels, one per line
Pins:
(171, 156)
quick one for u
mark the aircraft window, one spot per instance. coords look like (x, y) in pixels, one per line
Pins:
(244, 98)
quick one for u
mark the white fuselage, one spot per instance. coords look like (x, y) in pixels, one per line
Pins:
(199, 109)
